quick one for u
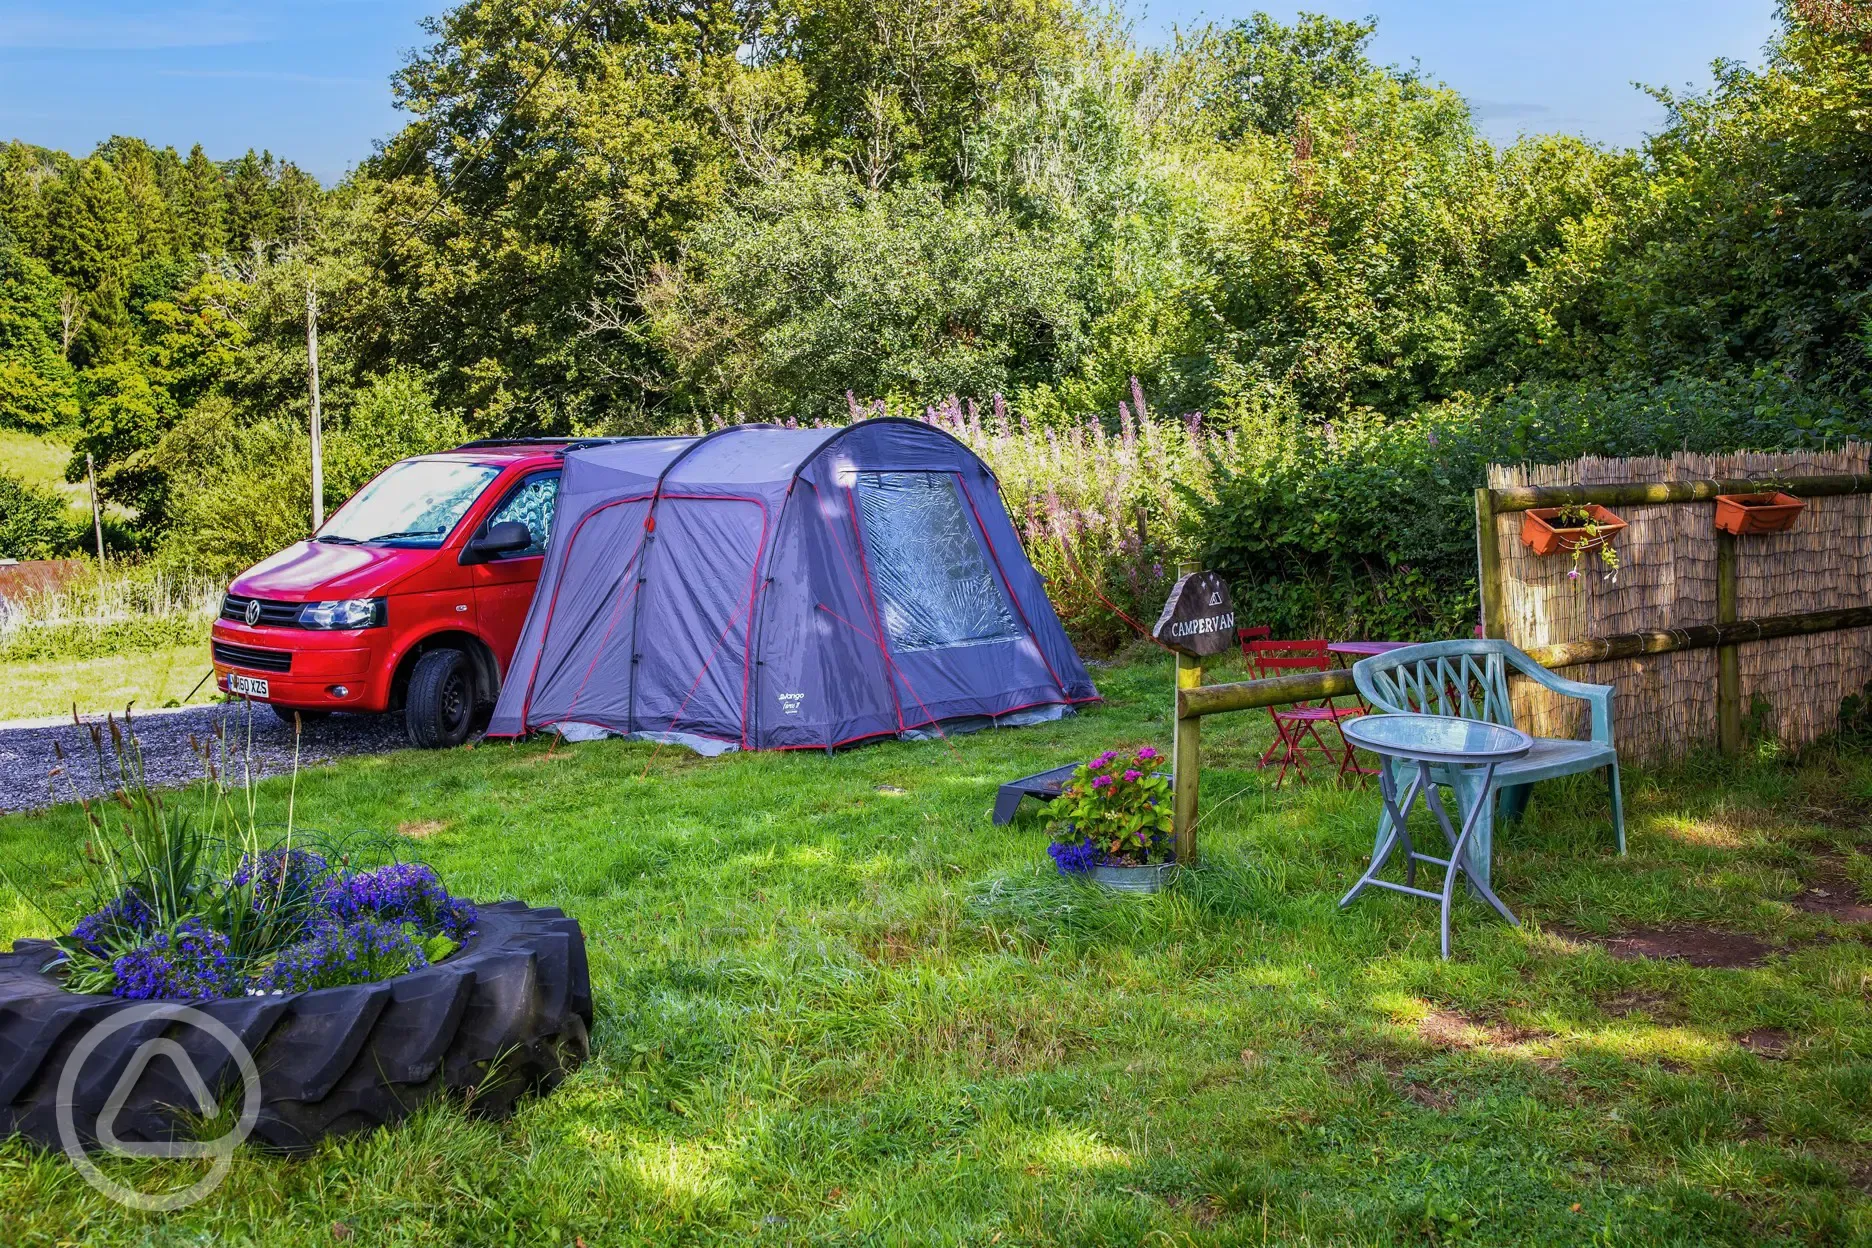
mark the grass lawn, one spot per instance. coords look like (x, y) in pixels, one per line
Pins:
(836, 1006)
(154, 678)
(41, 460)
(34, 457)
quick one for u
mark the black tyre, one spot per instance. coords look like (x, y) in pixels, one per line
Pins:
(510, 1013)
(439, 707)
(286, 714)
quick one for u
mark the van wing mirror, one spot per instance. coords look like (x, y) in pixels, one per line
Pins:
(504, 538)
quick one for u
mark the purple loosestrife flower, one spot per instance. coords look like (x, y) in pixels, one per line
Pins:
(188, 964)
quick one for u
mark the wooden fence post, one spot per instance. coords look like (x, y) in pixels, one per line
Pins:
(1488, 566)
(1185, 754)
(1728, 658)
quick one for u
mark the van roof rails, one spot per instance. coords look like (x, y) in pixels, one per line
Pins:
(570, 444)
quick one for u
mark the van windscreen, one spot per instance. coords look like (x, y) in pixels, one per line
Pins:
(414, 503)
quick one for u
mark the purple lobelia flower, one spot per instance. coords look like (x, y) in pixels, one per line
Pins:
(1074, 857)
(126, 919)
(189, 964)
(361, 952)
(403, 892)
(283, 877)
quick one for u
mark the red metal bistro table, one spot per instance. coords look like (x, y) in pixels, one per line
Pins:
(1351, 651)
(1363, 649)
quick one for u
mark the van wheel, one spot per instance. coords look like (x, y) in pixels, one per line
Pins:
(441, 699)
(286, 714)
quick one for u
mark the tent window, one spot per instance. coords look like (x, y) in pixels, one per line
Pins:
(934, 586)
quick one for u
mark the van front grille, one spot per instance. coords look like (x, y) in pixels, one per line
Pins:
(273, 614)
(252, 657)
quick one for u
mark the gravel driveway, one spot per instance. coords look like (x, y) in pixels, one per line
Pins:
(27, 760)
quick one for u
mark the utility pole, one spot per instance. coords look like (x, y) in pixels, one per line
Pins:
(97, 514)
(318, 441)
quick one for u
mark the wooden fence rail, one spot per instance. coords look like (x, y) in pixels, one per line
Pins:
(1248, 694)
(1640, 493)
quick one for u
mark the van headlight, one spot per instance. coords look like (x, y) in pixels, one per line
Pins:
(349, 613)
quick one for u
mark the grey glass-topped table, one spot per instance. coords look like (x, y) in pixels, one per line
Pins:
(1418, 741)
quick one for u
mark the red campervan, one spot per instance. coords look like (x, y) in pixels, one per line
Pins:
(410, 597)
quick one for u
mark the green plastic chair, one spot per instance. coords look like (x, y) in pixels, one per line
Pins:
(1469, 680)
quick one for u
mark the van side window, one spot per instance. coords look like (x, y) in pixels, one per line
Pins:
(531, 503)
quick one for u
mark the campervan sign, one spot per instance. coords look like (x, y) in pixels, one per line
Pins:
(1199, 618)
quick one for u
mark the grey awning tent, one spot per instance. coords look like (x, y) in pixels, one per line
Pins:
(768, 588)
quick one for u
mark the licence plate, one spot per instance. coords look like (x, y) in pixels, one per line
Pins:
(252, 686)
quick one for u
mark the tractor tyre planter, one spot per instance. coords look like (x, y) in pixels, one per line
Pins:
(509, 1013)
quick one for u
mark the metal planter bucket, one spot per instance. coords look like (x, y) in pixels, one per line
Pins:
(1152, 878)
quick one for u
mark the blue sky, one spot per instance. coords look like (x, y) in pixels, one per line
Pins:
(309, 78)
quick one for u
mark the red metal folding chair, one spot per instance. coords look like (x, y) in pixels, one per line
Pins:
(1297, 727)
(1260, 632)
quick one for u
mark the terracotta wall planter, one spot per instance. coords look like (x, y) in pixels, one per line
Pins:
(1769, 512)
(1539, 535)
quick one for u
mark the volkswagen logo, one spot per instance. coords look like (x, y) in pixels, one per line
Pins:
(252, 614)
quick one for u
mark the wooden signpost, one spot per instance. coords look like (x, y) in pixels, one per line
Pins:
(1197, 621)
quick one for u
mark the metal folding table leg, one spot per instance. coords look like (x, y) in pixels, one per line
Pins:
(1456, 867)
(1399, 831)
(1453, 866)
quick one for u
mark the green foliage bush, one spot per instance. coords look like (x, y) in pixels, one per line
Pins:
(33, 522)
(815, 287)
(35, 381)
(248, 491)
(80, 639)
(1365, 528)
